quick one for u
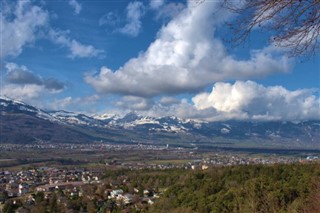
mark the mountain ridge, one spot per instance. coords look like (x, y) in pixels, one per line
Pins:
(29, 121)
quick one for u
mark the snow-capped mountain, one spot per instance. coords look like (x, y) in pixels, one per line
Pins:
(8, 105)
(76, 118)
(22, 119)
(129, 120)
(22, 123)
(106, 116)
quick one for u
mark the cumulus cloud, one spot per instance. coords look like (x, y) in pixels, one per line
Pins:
(20, 75)
(24, 22)
(134, 103)
(243, 100)
(135, 11)
(76, 6)
(77, 49)
(23, 92)
(166, 10)
(249, 100)
(80, 50)
(182, 109)
(20, 83)
(170, 10)
(186, 57)
(21, 23)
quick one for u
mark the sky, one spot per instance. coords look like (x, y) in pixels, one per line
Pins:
(155, 58)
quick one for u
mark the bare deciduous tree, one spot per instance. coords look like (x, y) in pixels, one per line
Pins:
(294, 24)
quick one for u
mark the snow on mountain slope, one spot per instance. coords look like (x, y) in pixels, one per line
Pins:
(302, 130)
(14, 106)
(106, 116)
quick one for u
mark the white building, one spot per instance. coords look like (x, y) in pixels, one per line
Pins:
(127, 198)
(23, 188)
(116, 193)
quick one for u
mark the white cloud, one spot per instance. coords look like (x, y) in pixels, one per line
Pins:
(135, 11)
(156, 4)
(73, 103)
(166, 10)
(243, 100)
(179, 108)
(80, 50)
(23, 92)
(30, 93)
(20, 24)
(170, 10)
(254, 101)
(185, 57)
(62, 103)
(76, 6)
(76, 48)
(24, 22)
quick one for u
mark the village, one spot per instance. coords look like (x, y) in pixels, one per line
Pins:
(99, 178)
(23, 188)
(104, 188)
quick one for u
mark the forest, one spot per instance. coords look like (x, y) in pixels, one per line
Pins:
(256, 188)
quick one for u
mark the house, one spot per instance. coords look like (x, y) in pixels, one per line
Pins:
(127, 198)
(148, 192)
(23, 188)
(57, 186)
(147, 201)
(46, 188)
(116, 193)
(12, 185)
(150, 202)
(204, 167)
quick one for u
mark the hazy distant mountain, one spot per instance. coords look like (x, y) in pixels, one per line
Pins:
(22, 123)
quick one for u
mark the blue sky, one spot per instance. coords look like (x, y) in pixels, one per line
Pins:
(155, 57)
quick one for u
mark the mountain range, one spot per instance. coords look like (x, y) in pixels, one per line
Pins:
(23, 123)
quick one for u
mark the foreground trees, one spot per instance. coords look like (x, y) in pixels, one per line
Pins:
(278, 188)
